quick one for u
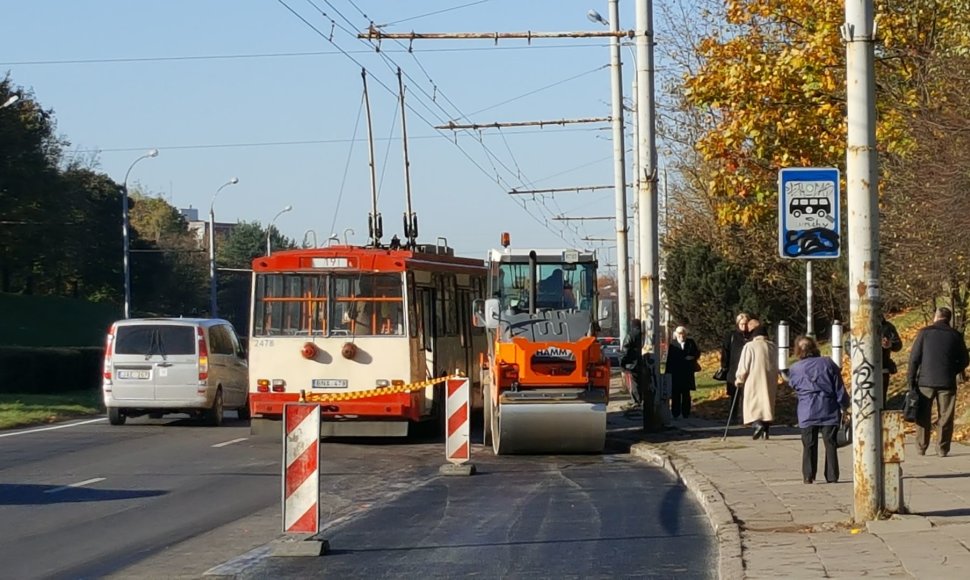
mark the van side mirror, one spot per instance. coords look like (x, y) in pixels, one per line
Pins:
(492, 308)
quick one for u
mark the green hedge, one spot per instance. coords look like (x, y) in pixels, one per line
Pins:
(49, 370)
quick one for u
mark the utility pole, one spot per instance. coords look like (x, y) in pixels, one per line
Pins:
(647, 208)
(865, 301)
(619, 177)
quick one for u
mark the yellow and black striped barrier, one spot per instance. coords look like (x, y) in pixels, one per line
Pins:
(391, 390)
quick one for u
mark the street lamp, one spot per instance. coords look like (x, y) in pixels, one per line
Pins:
(124, 223)
(13, 99)
(213, 305)
(269, 229)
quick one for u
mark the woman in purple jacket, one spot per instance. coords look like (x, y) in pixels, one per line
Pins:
(821, 399)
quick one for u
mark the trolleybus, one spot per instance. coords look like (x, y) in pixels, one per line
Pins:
(343, 319)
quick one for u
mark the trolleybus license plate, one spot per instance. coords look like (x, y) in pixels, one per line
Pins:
(329, 383)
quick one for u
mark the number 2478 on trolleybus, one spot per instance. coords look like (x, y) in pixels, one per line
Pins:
(336, 321)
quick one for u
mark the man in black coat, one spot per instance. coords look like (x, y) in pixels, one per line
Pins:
(632, 360)
(939, 354)
(890, 342)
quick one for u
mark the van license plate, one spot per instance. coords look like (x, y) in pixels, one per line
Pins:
(329, 383)
(134, 374)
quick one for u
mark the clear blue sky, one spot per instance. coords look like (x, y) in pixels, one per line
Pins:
(125, 76)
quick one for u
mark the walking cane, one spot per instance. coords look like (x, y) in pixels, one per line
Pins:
(734, 401)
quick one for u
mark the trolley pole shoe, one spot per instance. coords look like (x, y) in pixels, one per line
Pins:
(457, 427)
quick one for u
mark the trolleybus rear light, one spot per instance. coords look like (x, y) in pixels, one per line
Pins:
(279, 386)
(262, 385)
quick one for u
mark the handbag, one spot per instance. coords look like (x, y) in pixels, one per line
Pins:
(697, 366)
(720, 375)
(843, 437)
(911, 406)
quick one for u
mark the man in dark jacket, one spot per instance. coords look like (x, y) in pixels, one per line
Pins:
(682, 355)
(632, 360)
(890, 343)
(939, 354)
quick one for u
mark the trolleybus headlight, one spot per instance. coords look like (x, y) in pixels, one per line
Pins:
(262, 385)
(381, 383)
(279, 386)
(397, 383)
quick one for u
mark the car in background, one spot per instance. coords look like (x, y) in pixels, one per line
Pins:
(612, 349)
(155, 366)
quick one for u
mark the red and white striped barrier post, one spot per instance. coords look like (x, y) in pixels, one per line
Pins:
(301, 480)
(457, 428)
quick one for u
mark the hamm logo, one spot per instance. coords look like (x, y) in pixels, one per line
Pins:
(554, 352)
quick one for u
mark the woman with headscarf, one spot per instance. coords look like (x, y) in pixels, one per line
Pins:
(758, 375)
(821, 400)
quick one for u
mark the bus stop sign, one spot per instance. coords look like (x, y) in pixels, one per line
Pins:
(808, 213)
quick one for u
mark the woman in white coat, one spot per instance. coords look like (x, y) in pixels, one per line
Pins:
(758, 375)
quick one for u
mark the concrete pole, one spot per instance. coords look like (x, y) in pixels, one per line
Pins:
(637, 298)
(619, 176)
(862, 186)
(647, 208)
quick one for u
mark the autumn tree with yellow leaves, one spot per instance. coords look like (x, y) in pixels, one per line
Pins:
(763, 88)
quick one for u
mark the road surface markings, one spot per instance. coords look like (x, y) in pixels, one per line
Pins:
(65, 426)
(224, 443)
(73, 485)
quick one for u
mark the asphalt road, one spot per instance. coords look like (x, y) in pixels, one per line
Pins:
(522, 517)
(173, 498)
(87, 500)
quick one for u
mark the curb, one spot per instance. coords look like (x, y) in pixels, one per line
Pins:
(730, 565)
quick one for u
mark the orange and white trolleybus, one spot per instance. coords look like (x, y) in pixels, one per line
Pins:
(345, 323)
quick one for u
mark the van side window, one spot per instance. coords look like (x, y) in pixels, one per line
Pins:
(220, 343)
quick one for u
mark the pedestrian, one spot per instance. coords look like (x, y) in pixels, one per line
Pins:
(938, 355)
(632, 361)
(758, 376)
(730, 356)
(890, 343)
(822, 399)
(682, 363)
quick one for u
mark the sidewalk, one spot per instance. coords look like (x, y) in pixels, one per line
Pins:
(769, 524)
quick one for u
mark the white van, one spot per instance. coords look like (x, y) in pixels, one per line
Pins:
(174, 365)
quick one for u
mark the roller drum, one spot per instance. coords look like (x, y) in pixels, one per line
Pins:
(549, 427)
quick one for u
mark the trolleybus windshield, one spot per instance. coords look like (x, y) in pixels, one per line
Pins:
(328, 304)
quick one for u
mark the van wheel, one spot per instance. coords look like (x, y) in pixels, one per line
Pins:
(115, 416)
(243, 411)
(213, 416)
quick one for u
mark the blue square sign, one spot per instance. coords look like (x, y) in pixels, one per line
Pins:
(808, 213)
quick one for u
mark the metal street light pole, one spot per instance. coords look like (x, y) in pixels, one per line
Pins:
(13, 99)
(213, 302)
(125, 228)
(619, 169)
(269, 229)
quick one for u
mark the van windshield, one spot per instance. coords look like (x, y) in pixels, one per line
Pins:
(161, 339)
